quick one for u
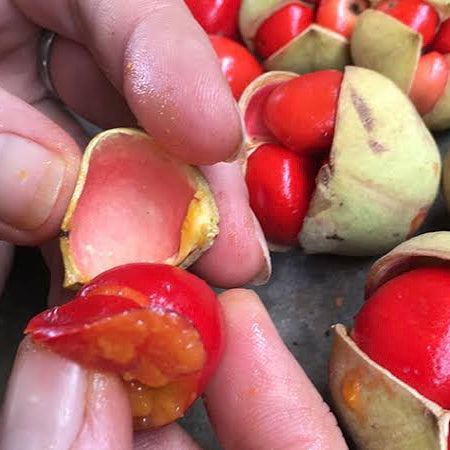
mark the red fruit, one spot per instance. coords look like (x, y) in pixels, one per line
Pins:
(340, 15)
(280, 185)
(429, 82)
(405, 326)
(157, 326)
(216, 16)
(301, 113)
(281, 27)
(442, 41)
(238, 65)
(417, 14)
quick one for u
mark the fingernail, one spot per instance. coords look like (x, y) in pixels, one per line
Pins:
(266, 269)
(30, 181)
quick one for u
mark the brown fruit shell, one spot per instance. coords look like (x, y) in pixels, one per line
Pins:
(316, 48)
(198, 231)
(351, 209)
(378, 410)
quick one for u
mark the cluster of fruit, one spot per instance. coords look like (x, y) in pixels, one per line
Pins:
(336, 157)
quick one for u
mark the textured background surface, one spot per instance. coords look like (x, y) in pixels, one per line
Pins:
(306, 295)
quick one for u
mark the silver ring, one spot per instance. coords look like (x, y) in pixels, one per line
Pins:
(45, 48)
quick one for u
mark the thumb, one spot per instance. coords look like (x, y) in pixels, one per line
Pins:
(54, 403)
(39, 162)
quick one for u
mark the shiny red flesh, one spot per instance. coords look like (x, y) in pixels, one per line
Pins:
(280, 185)
(281, 27)
(429, 82)
(417, 14)
(442, 41)
(340, 15)
(216, 16)
(238, 65)
(122, 322)
(301, 113)
(405, 327)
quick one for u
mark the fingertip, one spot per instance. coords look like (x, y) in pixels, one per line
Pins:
(175, 87)
(260, 397)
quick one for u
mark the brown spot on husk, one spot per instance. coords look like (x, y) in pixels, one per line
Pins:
(376, 146)
(363, 110)
(325, 174)
(417, 221)
(63, 234)
(436, 168)
(351, 388)
(335, 237)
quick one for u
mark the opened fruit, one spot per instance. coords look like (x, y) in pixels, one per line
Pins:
(157, 326)
(134, 203)
(286, 37)
(391, 374)
(368, 151)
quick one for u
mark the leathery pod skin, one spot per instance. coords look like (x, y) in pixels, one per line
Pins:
(381, 148)
(316, 48)
(367, 199)
(134, 203)
(377, 409)
(382, 43)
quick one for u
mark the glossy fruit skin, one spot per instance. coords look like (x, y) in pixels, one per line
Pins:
(238, 65)
(301, 113)
(340, 15)
(280, 185)
(281, 27)
(429, 81)
(404, 327)
(442, 41)
(417, 14)
(144, 286)
(216, 16)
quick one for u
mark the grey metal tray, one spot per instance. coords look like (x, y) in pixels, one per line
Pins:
(306, 295)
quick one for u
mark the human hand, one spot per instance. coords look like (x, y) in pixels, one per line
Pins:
(118, 63)
(258, 398)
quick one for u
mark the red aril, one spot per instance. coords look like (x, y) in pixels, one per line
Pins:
(417, 14)
(429, 82)
(442, 41)
(216, 16)
(280, 185)
(301, 113)
(157, 326)
(238, 65)
(281, 27)
(404, 327)
(340, 15)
